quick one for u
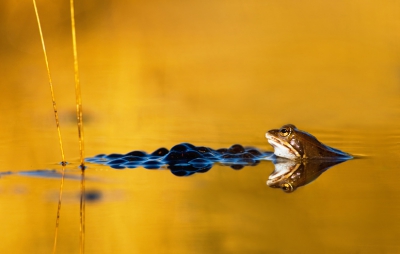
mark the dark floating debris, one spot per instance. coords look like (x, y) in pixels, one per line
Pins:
(184, 159)
(93, 195)
(63, 163)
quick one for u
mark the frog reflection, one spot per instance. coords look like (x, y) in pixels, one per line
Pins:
(294, 144)
(289, 175)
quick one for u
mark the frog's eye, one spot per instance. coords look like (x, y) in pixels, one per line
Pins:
(284, 132)
(287, 187)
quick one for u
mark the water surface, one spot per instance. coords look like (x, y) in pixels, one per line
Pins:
(211, 74)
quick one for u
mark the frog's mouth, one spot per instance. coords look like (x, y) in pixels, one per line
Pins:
(282, 148)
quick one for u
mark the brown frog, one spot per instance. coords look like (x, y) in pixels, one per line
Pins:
(294, 144)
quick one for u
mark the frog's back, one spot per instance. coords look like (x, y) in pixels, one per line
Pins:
(321, 151)
(314, 149)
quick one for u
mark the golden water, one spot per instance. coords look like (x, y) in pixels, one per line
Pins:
(155, 74)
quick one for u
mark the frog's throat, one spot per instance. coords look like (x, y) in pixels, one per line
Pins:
(282, 148)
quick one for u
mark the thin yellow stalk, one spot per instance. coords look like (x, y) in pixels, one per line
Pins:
(63, 163)
(80, 129)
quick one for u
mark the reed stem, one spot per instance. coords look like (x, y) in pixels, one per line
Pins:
(79, 114)
(63, 162)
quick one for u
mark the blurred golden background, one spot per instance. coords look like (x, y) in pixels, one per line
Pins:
(156, 73)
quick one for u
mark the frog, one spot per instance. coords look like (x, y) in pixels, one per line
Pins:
(294, 144)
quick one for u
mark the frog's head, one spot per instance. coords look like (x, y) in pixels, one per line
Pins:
(286, 142)
(292, 143)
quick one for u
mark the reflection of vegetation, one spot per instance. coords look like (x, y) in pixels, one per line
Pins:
(289, 175)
